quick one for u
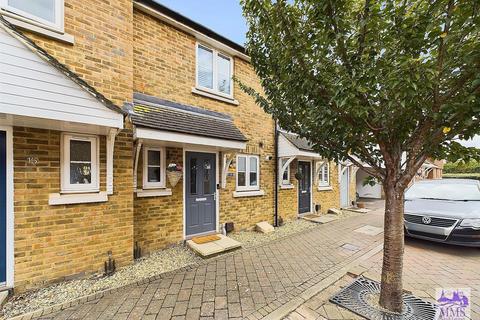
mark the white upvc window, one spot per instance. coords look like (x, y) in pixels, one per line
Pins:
(80, 164)
(214, 71)
(324, 175)
(248, 173)
(286, 173)
(48, 13)
(154, 168)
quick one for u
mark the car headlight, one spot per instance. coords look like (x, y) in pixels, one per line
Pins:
(472, 223)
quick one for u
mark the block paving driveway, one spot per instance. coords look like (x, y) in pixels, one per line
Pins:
(427, 266)
(253, 282)
(243, 283)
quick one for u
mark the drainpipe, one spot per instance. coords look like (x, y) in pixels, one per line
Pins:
(276, 176)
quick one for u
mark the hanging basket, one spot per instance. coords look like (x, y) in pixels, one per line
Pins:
(174, 177)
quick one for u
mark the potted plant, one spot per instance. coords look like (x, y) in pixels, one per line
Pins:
(174, 173)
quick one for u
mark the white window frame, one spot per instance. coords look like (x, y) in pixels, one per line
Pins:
(247, 186)
(321, 181)
(163, 169)
(58, 25)
(66, 186)
(285, 182)
(216, 54)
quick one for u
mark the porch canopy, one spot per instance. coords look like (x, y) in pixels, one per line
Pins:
(40, 92)
(171, 124)
(291, 147)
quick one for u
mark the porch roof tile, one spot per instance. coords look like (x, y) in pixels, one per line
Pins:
(155, 113)
(300, 143)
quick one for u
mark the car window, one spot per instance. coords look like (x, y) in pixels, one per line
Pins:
(443, 191)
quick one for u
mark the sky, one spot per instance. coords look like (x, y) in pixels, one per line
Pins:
(222, 16)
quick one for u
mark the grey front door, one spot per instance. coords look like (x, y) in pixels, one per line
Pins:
(344, 185)
(3, 207)
(200, 192)
(304, 187)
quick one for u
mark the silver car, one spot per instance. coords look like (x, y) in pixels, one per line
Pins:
(446, 210)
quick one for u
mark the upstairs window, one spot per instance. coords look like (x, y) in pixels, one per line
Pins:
(154, 168)
(324, 175)
(248, 173)
(80, 164)
(214, 71)
(46, 12)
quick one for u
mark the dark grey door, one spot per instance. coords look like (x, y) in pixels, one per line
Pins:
(200, 188)
(3, 207)
(304, 187)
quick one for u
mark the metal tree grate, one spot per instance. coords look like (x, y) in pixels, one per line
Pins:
(355, 298)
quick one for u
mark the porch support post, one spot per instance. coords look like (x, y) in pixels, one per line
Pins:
(112, 133)
(137, 154)
(227, 160)
(285, 166)
(353, 173)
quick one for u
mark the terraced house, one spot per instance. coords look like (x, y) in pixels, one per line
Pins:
(120, 125)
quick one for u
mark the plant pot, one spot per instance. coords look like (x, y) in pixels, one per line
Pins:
(174, 177)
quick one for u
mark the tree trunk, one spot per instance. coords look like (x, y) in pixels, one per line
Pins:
(393, 247)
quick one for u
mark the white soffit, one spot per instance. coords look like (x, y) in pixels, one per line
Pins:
(172, 138)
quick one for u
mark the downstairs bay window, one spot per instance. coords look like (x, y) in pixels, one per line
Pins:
(324, 176)
(154, 171)
(248, 173)
(80, 171)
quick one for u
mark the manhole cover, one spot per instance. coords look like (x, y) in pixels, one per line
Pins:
(350, 247)
(355, 298)
(369, 230)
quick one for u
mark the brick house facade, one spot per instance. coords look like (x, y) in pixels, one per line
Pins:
(117, 79)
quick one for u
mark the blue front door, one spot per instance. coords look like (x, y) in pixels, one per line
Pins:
(3, 207)
(200, 185)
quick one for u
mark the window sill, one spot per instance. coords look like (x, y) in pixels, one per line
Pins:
(154, 193)
(329, 188)
(60, 199)
(204, 93)
(255, 193)
(24, 23)
(287, 186)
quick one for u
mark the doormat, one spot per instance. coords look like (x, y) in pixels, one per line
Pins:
(205, 239)
(356, 297)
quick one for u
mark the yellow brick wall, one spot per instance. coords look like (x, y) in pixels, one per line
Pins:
(329, 198)
(102, 50)
(164, 66)
(159, 220)
(53, 242)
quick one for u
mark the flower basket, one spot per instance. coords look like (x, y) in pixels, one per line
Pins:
(174, 174)
(174, 177)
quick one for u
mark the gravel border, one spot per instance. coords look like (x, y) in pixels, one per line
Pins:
(98, 286)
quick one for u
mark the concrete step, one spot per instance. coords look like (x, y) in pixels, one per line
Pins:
(320, 218)
(209, 249)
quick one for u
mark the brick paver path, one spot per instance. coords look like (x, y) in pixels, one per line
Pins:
(427, 266)
(247, 283)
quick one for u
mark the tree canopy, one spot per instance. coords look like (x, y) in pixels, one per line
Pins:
(374, 79)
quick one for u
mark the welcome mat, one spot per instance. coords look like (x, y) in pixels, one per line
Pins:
(205, 239)
(357, 298)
